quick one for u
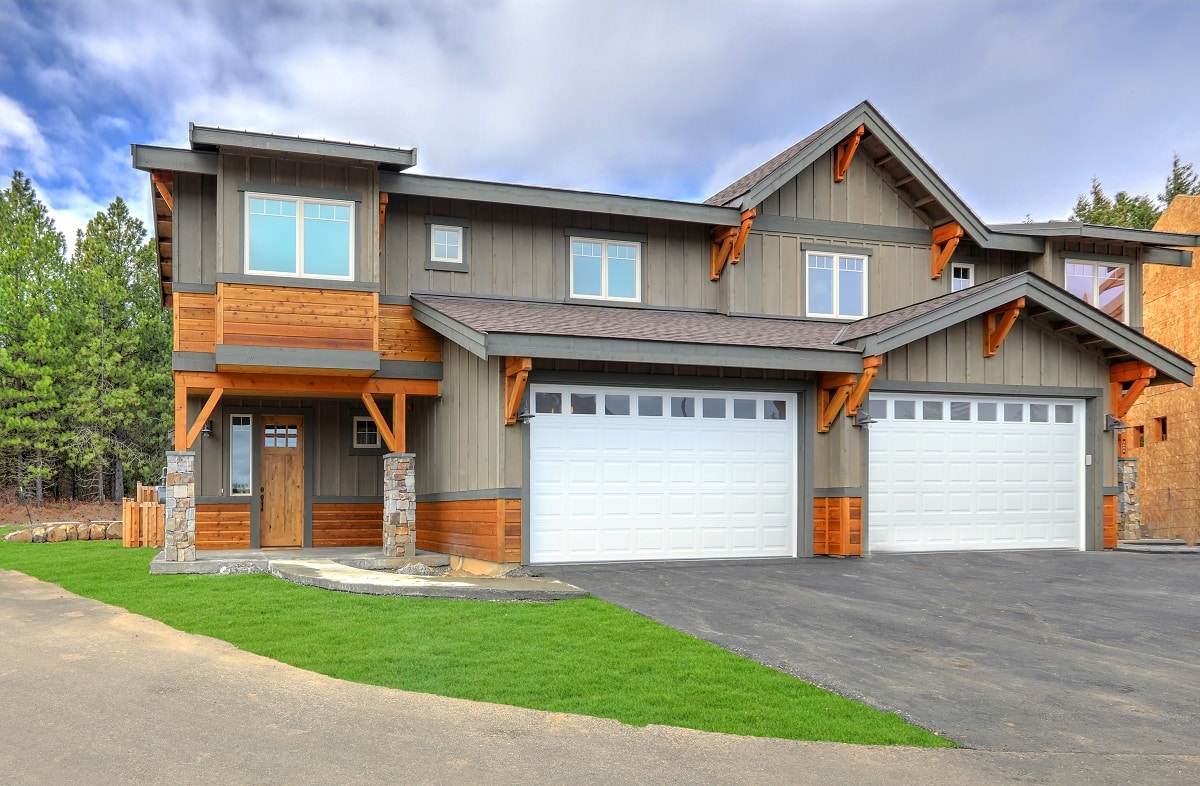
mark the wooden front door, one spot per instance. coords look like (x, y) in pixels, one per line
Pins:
(281, 495)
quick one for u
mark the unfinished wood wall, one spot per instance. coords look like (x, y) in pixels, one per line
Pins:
(222, 526)
(486, 529)
(837, 526)
(282, 316)
(402, 337)
(347, 524)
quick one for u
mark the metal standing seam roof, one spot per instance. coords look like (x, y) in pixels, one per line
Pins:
(492, 315)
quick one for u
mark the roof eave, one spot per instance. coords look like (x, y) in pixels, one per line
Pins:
(391, 158)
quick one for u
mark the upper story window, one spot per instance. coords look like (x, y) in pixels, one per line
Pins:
(299, 236)
(836, 285)
(1101, 284)
(962, 276)
(606, 269)
(447, 243)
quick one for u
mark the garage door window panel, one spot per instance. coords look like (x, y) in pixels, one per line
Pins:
(650, 406)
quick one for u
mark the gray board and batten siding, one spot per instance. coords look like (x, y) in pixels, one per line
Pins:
(296, 177)
(524, 252)
(195, 229)
(338, 472)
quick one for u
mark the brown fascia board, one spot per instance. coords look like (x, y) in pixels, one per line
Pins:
(206, 138)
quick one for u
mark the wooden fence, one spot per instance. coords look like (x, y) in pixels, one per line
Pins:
(142, 519)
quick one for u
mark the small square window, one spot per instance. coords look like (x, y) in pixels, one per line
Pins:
(962, 276)
(1039, 413)
(931, 410)
(683, 407)
(615, 404)
(583, 403)
(650, 406)
(1014, 413)
(905, 410)
(986, 411)
(446, 244)
(714, 408)
(960, 410)
(745, 409)
(1064, 413)
(366, 433)
(877, 408)
(548, 403)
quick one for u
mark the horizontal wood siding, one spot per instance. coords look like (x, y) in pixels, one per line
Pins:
(195, 322)
(837, 526)
(253, 315)
(401, 337)
(347, 524)
(487, 529)
(1110, 522)
(223, 526)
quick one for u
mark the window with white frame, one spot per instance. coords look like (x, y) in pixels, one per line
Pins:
(446, 243)
(606, 269)
(836, 285)
(299, 236)
(1100, 284)
(240, 454)
(962, 276)
(366, 433)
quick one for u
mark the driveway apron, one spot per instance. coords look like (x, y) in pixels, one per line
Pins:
(1092, 652)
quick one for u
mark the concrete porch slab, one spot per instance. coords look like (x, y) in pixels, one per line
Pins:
(331, 575)
(256, 560)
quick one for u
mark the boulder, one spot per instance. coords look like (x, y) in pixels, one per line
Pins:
(56, 534)
(19, 536)
(71, 530)
(97, 531)
(38, 534)
(115, 530)
(85, 532)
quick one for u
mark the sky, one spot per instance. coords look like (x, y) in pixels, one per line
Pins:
(1017, 105)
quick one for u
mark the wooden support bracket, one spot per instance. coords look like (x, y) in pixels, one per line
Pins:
(213, 398)
(945, 241)
(516, 374)
(832, 392)
(383, 203)
(728, 243)
(163, 182)
(845, 153)
(1134, 373)
(389, 438)
(858, 393)
(997, 323)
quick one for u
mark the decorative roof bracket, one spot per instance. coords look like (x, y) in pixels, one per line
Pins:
(997, 323)
(163, 182)
(858, 394)
(728, 243)
(833, 390)
(516, 374)
(845, 153)
(945, 241)
(1138, 375)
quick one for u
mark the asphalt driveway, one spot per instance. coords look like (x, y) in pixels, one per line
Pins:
(1095, 652)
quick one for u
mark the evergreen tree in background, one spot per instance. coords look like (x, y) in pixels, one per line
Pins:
(85, 353)
(1136, 211)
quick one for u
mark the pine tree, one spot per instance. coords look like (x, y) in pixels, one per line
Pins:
(1182, 180)
(1123, 210)
(32, 347)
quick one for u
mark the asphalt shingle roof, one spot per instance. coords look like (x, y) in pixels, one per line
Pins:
(490, 315)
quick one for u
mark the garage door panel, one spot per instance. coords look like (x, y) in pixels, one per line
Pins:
(998, 473)
(644, 487)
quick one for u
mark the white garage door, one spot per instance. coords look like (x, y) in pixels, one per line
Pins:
(956, 473)
(639, 474)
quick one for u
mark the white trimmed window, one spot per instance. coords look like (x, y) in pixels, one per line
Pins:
(606, 269)
(241, 442)
(299, 236)
(366, 433)
(962, 276)
(1100, 284)
(836, 285)
(446, 244)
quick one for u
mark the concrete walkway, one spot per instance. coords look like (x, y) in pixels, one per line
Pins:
(367, 572)
(93, 694)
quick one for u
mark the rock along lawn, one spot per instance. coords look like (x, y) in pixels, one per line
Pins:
(579, 656)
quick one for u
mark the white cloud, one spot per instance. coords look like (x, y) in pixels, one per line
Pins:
(19, 131)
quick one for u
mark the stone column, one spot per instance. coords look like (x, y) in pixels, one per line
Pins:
(399, 505)
(1129, 508)
(179, 532)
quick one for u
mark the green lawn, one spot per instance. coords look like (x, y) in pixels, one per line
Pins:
(581, 656)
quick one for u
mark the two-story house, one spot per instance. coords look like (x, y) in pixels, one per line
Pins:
(833, 355)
